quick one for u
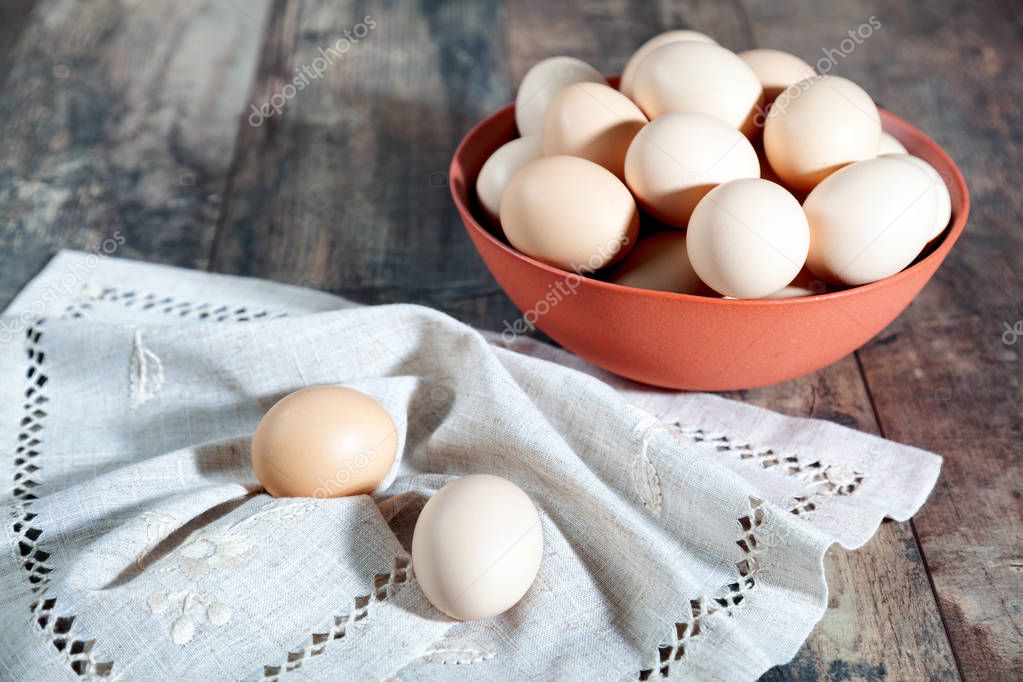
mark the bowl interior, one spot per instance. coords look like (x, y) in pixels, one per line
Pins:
(500, 128)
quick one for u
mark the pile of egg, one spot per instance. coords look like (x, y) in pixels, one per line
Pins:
(764, 178)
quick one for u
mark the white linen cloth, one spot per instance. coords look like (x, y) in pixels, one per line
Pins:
(684, 533)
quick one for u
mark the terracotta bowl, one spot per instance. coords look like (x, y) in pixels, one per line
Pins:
(694, 342)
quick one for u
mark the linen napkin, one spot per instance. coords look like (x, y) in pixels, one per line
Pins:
(684, 533)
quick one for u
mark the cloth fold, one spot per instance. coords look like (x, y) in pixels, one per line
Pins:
(684, 533)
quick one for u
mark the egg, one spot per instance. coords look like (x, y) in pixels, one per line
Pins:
(776, 70)
(499, 169)
(869, 220)
(570, 213)
(942, 199)
(477, 547)
(649, 46)
(592, 121)
(541, 83)
(818, 126)
(748, 238)
(677, 158)
(701, 78)
(660, 263)
(324, 441)
(890, 145)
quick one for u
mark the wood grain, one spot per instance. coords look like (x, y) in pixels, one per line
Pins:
(940, 376)
(346, 189)
(119, 120)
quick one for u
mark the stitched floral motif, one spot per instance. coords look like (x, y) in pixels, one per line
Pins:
(687, 631)
(457, 652)
(193, 606)
(26, 478)
(385, 585)
(145, 372)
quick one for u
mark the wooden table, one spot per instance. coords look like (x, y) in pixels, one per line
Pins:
(133, 117)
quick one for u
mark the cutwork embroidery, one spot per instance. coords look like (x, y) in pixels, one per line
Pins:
(77, 652)
(823, 481)
(385, 585)
(705, 607)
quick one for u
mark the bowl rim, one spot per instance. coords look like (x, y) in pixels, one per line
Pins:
(951, 234)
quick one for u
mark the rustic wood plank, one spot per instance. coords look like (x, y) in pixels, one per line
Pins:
(940, 376)
(14, 16)
(346, 188)
(118, 124)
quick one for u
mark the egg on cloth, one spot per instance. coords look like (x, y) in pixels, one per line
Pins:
(570, 213)
(649, 46)
(677, 158)
(660, 262)
(324, 441)
(870, 220)
(498, 170)
(818, 126)
(542, 82)
(748, 238)
(477, 547)
(702, 78)
(592, 121)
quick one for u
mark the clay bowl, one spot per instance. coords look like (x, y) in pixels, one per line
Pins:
(693, 342)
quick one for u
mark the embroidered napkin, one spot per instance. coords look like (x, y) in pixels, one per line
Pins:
(684, 533)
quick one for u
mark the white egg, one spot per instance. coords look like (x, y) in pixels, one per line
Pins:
(942, 200)
(748, 238)
(542, 82)
(477, 547)
(660, 263)
(701, 78)
(649, 46)
(498, 170)
(816, 127)
(869, 220)
(679, 157)
(890, 145)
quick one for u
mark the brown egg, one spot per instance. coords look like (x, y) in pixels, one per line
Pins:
(570, 213)
(594, 122)
(660, 263)
(324, 441)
